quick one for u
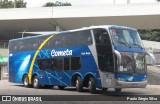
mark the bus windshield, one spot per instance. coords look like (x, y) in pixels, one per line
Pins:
(132, 63)
(125, 37)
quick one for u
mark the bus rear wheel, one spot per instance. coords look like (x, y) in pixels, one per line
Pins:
(79, 84)
(92, 85)
(61, 87)
(36, 82)
(48, 86)
(25, 81)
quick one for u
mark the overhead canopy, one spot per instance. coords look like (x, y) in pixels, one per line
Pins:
(140, 16)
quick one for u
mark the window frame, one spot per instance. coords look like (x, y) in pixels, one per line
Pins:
(62, 58)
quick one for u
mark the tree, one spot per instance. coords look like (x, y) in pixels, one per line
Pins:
(10, 4)
(152, 35)
(21, 4)
(7, 4)
(57, 3)
(158, 0)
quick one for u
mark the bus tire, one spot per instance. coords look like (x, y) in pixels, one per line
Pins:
(61, 87)
(49, 86)
(25, 81)
(104, 90)
(92, 85)
(79, 84)
(117, 90)
(36, 82)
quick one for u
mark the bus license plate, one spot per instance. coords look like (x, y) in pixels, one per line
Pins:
(135, 85)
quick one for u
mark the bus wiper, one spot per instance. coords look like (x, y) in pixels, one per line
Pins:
(125, 43)
(137, 45)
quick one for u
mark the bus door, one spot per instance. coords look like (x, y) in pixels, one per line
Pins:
(104, 56)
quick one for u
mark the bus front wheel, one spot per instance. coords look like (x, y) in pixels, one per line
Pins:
(79, 84)
(118, 90)
(92, 85)
(36, 82)
(25, 81)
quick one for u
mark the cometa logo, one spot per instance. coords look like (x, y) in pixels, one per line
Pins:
(61, 53)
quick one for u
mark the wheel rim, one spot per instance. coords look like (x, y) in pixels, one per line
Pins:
(25, 81)
(35, 82)
(77, 83)
(89, 85)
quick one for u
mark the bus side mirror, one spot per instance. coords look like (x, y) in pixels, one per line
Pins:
(153, 59)
(118, 57)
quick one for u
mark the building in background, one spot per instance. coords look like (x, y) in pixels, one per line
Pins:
(153, 47)
(3, 64)
(140, 16)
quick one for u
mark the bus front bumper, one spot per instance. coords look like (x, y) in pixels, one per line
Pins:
(124, 84)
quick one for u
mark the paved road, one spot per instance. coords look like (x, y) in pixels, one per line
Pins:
(7, 88)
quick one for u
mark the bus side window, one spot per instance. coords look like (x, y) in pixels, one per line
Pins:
(84, 38)
(55, 42)
(69, 39)
(13, 46)
(23, 46)
(58, 41)
(66, 63)
(57, 64)
(75, 63)
(45, 64)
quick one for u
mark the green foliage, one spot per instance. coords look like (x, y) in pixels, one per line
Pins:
(21, 4)
(7, 4)
(10, 4)
(152, 35)
(57, 3)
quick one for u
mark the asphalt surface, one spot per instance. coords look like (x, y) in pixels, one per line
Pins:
(7, 88)
(153, 75)
(61, 96)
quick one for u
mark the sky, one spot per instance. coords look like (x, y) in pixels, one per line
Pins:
(39, 3)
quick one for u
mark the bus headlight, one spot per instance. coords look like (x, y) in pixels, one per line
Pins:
(144, 79)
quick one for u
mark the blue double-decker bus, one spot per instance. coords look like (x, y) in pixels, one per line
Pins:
(94, 57)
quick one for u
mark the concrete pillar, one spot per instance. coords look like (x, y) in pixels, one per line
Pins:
(128, 1)
(0, 3)
(58, 28)
(0, 72)
(114, 1)
(15, 2)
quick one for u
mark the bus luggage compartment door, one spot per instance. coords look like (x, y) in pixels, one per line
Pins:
(107, 79)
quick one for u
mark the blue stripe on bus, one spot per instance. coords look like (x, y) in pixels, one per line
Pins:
(132, 78)
(48, 78)
(45, 53)
(57, 79)
(128, 49)
(36, 65)
(67, 75)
